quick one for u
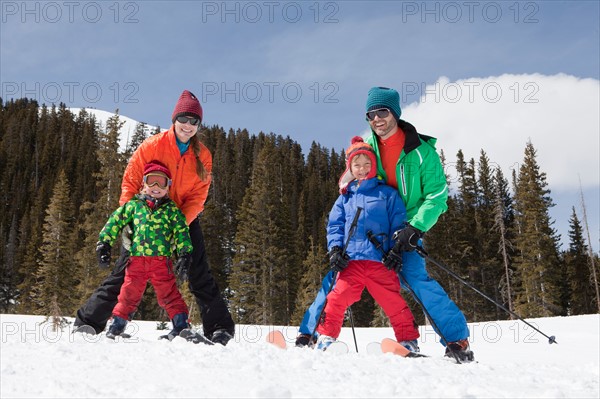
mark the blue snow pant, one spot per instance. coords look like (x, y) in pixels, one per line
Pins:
(444, 312)
(309, 321)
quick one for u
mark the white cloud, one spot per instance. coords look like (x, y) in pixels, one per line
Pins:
(560, 114)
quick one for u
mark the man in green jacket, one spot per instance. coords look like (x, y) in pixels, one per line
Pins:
(409, 162)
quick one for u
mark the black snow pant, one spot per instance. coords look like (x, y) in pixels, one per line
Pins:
(213, 310)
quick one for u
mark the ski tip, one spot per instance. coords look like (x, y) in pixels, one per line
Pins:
(338, 347)
(374, 348)
(389, 345)
(276, 338)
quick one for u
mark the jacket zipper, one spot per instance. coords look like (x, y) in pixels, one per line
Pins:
(402, 179)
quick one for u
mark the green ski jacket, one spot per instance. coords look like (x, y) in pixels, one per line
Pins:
(154, 231)
(421, 179)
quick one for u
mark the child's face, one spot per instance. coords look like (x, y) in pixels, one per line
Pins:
(360, 166)
(155, 185)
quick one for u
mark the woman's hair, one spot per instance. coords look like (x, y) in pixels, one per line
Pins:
(195, 144)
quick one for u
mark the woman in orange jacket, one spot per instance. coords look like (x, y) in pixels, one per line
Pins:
(190, 163)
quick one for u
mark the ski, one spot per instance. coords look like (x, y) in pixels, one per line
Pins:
(391, 346)
(277, 339)
(337, 347)
(122, 335)
(374, 348)
(192, 336)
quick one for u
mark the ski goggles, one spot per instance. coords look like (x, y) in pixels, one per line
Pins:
(157, 179)
(185, 119)
(381, 113)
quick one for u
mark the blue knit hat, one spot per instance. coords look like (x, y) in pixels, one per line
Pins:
(382, 97)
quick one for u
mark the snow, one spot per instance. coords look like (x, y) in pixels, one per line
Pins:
(513, 361)
(126, 131)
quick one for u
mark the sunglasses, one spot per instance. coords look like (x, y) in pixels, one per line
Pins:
(155, 179)
(381, 113)
(186, 119)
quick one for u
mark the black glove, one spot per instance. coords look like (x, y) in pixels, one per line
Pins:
(393, 261)
(337, 261)
(182, 266)
(103, 253)
(407, 239)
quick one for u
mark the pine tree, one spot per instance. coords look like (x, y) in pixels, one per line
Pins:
(580, 288)
(32, 237)
(259, 281)
(95, 214)
(467, 230)
(8, 290)
(232, 166)
(504, 224)
(55, 275)
(490, 264)
(537, 266)
(139, 135)
(314, 269)
(593, 258)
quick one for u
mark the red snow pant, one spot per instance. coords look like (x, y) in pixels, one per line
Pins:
(384, 287)
(157, 269)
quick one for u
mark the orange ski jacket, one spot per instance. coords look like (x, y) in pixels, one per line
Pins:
(187, 190)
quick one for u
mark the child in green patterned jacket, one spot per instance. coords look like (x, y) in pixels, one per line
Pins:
(157, 223)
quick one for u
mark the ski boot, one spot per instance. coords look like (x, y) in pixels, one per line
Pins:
(324, 341)
(461, 349)
(117, 327)
(305, 340)
(412, 346)
(180, 322)
(221, 336)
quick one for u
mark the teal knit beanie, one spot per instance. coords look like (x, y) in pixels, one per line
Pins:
(383, 97)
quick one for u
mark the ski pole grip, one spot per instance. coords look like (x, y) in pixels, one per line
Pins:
(421, 251)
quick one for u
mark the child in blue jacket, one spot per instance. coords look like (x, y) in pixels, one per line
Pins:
(360, 266)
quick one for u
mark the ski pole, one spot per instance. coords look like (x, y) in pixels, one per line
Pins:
(352, 325)
(335, 273)
(403, 281)
(424, 254)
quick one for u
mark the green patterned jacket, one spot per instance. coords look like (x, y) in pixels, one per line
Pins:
(154, 231)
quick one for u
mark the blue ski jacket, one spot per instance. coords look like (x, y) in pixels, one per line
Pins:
(383, 213)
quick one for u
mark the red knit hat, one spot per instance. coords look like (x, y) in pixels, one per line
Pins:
(187, 105)
(357, 147)
(156, 167)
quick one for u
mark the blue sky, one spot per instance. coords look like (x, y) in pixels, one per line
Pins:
(303, 68)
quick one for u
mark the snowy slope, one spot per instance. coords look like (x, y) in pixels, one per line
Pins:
(513, 361)
(127, 129)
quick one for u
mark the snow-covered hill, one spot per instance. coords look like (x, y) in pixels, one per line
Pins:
(513, 361)
(126, 131)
